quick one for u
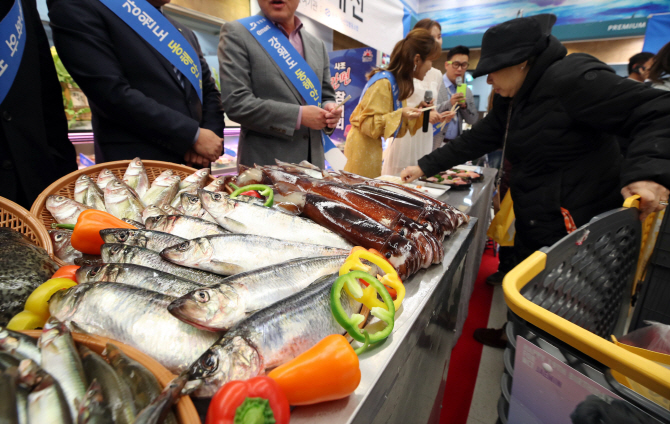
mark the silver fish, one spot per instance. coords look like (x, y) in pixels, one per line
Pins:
(60, 359)
(187, 227)
(9, 387)
(64, 210)
(231, 254)
(158, 411)
(219, 184)
(191, 205)
(88, 193)
(246, 218)
(191, 185)
(136, 177)
(135, 224)
(162, 190)
(152, 210)
(221, 306)
(20, 345)
(152, 240)
(114, 390)
(104, 177)
(122, 201)
(271, 337)
(46, 401)
(94, 409)
(62, 247)
(138, 276)
(7, 360)
(121, 254)
(135, 317)
(169, 210)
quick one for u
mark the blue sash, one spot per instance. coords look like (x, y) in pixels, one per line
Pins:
(150, 24)
(12, 44)
(296, 69)
(397, 104)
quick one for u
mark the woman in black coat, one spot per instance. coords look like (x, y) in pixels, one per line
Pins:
(558, 115)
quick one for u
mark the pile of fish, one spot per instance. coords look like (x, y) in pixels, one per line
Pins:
(23, 267)
(52, 380)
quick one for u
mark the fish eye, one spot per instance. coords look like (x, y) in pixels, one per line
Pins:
(209, 362)
(194, 200)
(94, 271)
(59, 198)
(202, 296)
(58, 237)
(216, 196)
(403, 232)
(122, 235)
(388, 255)
(184, 246)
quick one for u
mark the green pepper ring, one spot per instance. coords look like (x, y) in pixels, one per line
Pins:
(261, 188)
(350, 324)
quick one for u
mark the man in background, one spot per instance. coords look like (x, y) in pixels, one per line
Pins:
(142, 105)
(457, 63)
(34, 148)
(276, 122)
(639, 65)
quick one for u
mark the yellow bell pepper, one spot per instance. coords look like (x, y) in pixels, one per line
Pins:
(26, 320)
(38, 301)
(368, 296)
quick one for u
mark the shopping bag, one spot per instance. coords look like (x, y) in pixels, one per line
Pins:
(502, 228)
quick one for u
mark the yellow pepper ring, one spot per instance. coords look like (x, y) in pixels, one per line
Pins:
(391, 279)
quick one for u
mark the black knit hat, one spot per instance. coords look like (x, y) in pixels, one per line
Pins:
(512, 42)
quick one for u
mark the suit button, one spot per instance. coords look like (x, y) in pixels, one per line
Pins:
(6, 115)
(7, 164)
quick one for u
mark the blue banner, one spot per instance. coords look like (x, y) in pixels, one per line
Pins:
(13, 41)
(297, 70)
(150, 24)
(657, 34)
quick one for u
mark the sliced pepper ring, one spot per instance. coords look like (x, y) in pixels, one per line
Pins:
(264, 190)
(368, 297)
(350, 323)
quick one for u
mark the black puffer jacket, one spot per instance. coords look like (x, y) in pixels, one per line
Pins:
(561, 142)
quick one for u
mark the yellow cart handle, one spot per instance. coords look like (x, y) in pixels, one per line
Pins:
(632, 202)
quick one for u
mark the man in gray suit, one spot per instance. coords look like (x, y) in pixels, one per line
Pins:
(456, 65)
(276, 122)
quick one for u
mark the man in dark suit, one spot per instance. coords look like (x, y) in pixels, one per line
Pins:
(34, 147)
(141, 105)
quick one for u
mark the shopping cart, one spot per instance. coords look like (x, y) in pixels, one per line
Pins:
(569, 298)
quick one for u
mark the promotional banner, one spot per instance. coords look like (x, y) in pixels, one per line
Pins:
(347, 76)
(379, 24)
(658, 33)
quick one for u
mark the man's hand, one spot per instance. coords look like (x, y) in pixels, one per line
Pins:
(314, 117)
(434, 117)
(208, 145)
(447, 116)
(411, 173)
(651, 195)
(456, 98)
(194, 160)
(333, 115)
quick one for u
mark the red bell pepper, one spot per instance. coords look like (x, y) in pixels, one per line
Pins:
(252, 193)
(258, 400)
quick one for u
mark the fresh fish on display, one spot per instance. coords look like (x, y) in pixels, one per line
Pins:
(94, 408)
(136, 224)
(152, 240)
(89, 260)
(187, 227)
(250, 176)
(62, 247)
(138, 276)
(133, 316)
(88, 193)
(246, 218)
(221, 306)
(23, 267)
(310, 171)
(60, 359)
(114, 390)
(64, 210)
(159, 410)
(136, 177)
(122, 201)
(191, 205)
(152, 210)
(218, 185)
(7, 360)
(46, 401)
(162, 190)
(104, 177)
(8, 388)
(121, 254)
(234, 253)
(270, 337)
(19, 345)
(191, 185)
(169, 210)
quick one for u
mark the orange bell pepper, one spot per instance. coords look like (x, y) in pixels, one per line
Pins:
(67, 271)
(86, 236)
(327, 371)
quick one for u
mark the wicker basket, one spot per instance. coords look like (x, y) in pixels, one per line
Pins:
(186, 412)
(17, 218)
(65, 185)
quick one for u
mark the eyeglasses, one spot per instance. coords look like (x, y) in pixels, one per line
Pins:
(463, 65)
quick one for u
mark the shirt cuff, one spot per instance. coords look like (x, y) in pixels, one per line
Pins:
(297, 124)
(197, 134)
